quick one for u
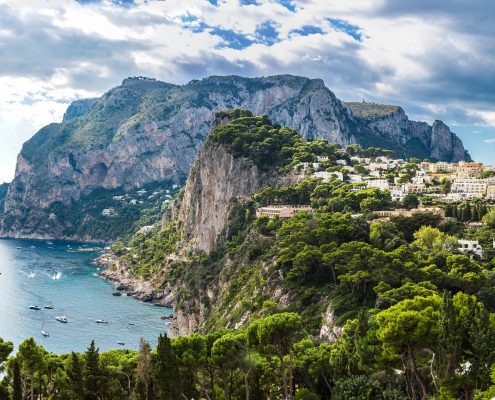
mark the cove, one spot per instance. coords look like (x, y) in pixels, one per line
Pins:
(41, 273)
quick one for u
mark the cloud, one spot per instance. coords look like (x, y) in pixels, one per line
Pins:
(434, 60)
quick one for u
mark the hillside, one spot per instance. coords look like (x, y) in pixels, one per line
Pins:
(398, 286)
(3, 192)
(149, 132)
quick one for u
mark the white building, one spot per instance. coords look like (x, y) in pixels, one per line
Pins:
(281, 211)
(327, 175)
(470, 246)
(471, 187)
(378, 183)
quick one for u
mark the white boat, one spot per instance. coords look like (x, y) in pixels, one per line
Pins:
(101, 321)
(62, 318)
(37, 308)
(50, 307)
(131, 323)
(121, 343)
(44, 332)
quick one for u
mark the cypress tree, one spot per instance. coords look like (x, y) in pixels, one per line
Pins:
(165, 371)
(468, 212)
(17, 381)
(75, 377)
(92, 373)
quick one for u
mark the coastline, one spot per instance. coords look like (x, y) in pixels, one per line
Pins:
(132, 286)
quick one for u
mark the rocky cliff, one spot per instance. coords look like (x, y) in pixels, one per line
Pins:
(148, 131)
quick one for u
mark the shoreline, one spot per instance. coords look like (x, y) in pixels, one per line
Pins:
(132, 286)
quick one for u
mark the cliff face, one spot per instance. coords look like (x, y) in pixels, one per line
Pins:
(389, 127)
(149, 131)
(215, 178)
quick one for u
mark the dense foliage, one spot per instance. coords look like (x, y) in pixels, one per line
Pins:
(266, 144)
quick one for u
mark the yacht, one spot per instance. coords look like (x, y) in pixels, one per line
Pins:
(62, 318)
(131, 323)
(121, 343)
(101, 321)
(49, 307)
(37, 308)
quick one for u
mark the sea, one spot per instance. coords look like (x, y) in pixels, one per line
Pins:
(58, 274)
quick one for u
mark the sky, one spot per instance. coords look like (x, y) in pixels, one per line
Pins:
(434, 58)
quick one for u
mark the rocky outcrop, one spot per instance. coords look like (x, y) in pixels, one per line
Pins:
(149, 131)
(78, 108)
(389, 127)
(215, 178)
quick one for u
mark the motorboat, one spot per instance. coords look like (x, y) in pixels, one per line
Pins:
(44, 332)
(49, 307)
(37, 308)
(121, 343)
(131, 323)
(62, 318)
(101, 321)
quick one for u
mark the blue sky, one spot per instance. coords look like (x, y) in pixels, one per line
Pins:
(434, 60)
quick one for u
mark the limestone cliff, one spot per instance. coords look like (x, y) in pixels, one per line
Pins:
(147, 131)
(388, 126)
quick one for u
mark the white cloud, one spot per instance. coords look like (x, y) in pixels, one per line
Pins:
(431, 60)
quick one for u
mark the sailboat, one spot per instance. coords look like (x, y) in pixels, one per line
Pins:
(44, 332)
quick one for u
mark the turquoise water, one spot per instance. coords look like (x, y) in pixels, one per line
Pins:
(27, 276)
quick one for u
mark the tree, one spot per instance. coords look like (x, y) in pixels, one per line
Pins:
(229, 352)
(407, 328)
(276, 335)
(93, 375)
(143, 370)
(165, 373)
(31, 358)
(410, 200)
(489, 218)
(75, 375)
(17, 381)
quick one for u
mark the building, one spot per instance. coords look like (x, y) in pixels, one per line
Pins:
(442, 166)
(327, 175)
(378, 183)
(281, 211)
(415, 188)
(409, 213)
(470, 246)
(490, 192)
(472, 188)
(108, 212)
(469, 169)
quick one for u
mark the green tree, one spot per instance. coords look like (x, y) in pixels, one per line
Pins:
(143, 370)
(276, 335)
(75, 376)
(406, 329)
(17, 393)
(93, 374)
(410, 200)
(165, 373)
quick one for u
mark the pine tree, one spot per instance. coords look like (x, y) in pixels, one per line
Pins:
(92, 373)
(165, 371)
(17, 381)
(75, 377)
(449, 338)
(143, 370)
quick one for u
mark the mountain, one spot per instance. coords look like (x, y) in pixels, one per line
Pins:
(3, 192)
(146, 132)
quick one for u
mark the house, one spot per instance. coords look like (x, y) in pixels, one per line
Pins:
(470, 246)
(327, 175)
(378, 183)
(471, 187)
(281, 211)
(108, 212)
(409, 213)
(469, 169)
